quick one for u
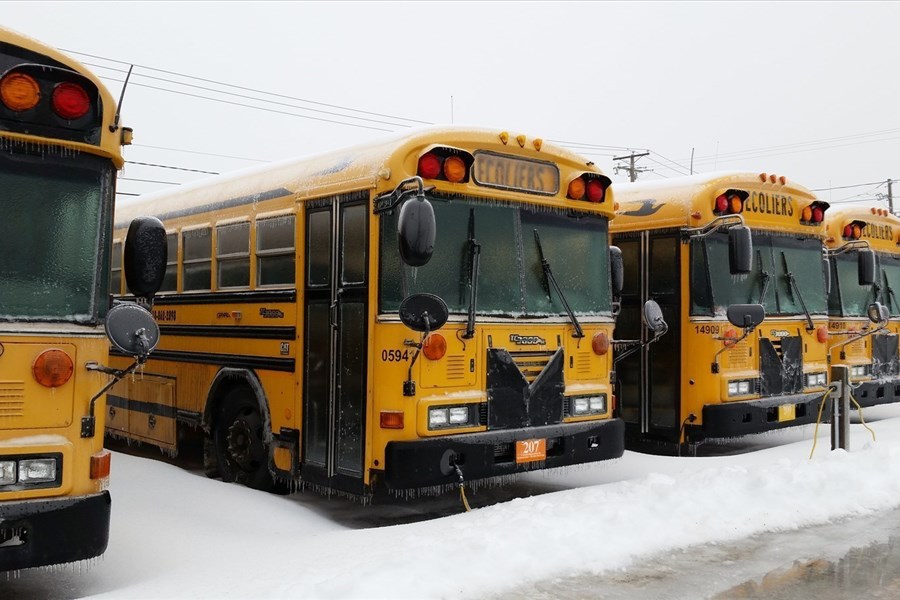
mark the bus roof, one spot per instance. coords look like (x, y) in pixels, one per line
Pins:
(378, 165)
(689, 201)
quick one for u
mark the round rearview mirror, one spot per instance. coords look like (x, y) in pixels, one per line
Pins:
(131, 329)
(424, 312)
(653, 317)
(416, 231)
(878, 312)
(746, 316)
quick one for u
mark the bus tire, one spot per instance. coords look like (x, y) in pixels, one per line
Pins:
(240, 443)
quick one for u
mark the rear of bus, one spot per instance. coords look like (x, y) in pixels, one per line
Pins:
(722, 373)
(867, 348)
(58, 160)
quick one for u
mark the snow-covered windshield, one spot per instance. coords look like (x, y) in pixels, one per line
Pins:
(53, 259)
(714, 288)
(848, 298)
(511, 281)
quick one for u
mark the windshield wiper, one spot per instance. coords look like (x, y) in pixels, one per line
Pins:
(892, 299)
(794, 287)
(548, 275)
(766, 277)
(472, 276)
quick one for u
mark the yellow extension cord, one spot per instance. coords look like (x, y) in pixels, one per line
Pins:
(462, 494)
(819, 420)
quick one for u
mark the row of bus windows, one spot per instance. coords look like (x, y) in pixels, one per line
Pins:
(274, 257)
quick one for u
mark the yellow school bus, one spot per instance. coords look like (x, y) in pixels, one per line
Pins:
(59, 152)
(303, 306)
(859, 339)
(735, 261)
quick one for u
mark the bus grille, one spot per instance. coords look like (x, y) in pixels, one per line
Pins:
(532, 362)
(456, 367)
(12, 398)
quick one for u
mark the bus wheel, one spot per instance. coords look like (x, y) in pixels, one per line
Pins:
(241, 449)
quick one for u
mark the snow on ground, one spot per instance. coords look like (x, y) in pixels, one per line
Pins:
(176, 534)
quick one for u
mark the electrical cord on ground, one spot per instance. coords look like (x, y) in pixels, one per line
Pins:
(819, 420)
(861, 418)
(462, 489)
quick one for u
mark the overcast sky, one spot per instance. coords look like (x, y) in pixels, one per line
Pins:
(809, 90)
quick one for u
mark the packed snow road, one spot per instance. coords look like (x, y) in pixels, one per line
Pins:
(176, 534)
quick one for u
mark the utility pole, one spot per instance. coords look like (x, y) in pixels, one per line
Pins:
(632, 170)
(890, 197)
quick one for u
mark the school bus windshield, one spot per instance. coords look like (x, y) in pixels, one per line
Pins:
(890, 269)
(713, 288)
(51, 262)
(511, 280)
(848, 298)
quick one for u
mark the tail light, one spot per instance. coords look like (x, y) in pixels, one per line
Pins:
(70, 101)
(853, 230)
(814, 213)
(52, 368)
(730, 203)
(446, 164)
(588, 186)
(19, 92)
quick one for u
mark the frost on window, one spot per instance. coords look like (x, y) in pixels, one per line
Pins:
(52, 262)
(511, 280)
(275, 251)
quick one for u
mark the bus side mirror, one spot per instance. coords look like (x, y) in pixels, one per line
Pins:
(424, 312)
(616, 270)
(740, 250)
(653, 318)
(866, 264)
(877, 312)
(145, 257)
(746, 316)
(826, 271)
(416, 231)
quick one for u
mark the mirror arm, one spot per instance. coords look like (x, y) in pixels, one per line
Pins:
(390, 201)
(723, 222)
(89, 423)
(858, 337)
(851, 245)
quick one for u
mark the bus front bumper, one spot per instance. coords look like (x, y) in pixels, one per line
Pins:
(40, 532)
(733, 419)
(430, 462)
(879, 391)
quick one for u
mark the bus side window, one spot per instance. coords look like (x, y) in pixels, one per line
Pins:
(115, 274)
(275, 251)
(196, 269)
(233, 255)
(170, 280)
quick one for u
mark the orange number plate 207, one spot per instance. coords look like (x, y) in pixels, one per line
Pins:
(531, 450)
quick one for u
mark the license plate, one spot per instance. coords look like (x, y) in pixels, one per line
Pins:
(787, 412)
(531, 450)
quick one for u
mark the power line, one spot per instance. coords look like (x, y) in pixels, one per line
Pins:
(240, 87)
(200, 153)
(149, 181)
(209, 89)
(846, 187)
(271, 110)
(134, 162)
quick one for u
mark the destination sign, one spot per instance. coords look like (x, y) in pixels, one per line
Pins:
(514, 173)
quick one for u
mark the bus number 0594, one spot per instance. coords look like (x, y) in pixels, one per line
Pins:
(394, 355)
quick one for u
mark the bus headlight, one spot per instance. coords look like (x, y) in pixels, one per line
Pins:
(449, 416)
(739, 387)
(859, 371)
(588, 405)
(37, 470)
(7, 472)
(815, 380)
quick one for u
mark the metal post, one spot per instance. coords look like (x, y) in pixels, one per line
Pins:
(840, 408)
